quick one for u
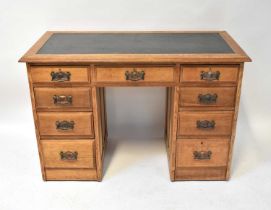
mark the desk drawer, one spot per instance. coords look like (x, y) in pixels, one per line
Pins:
(211, 96)
(209, 74)
(59, 74)
(61, 98)
(134, 74)
(68, 153)
(66, 124)
(204, 123)
(202, 152)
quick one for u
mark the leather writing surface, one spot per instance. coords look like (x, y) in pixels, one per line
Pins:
(135, 43)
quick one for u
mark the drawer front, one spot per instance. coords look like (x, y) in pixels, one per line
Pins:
(134, 74)
(68, 153)
(66, 124)
(59, 74)
(211, 96)
(207, 74)
(59, 98)
(201, 173)
(202, 152)
(204, 123)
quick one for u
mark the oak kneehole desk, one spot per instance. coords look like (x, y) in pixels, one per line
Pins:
(68, 72)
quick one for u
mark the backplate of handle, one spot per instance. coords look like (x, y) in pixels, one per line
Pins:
(205, 124)
(207, 98)
(209, 75)
(134, 75)
(60, 76)
(202, 155)
(62, 100)
(68, 155)
(65, 125)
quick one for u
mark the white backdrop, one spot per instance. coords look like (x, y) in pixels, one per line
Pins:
(141, 185)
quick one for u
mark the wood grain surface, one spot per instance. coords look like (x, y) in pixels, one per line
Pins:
(52, 158)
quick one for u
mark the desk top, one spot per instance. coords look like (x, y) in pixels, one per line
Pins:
(135, 43)
(135, 47)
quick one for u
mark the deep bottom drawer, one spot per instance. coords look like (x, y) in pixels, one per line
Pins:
(203, 173)
(68, 153)
(71, 174)
(202, 152)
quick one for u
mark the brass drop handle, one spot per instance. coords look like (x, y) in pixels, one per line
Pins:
(68, 155)
(60, 76)
(65, 125)
(205, 124)
(134, 75)
(207, 98)
(202, 155)
(62, 100)
(209, 75)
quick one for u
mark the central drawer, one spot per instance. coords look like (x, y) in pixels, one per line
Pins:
(66, 124)
(68, 153)
(130, 74)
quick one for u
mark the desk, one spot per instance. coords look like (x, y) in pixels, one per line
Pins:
(68, 73)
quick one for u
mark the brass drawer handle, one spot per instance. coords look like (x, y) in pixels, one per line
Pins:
(60, 76)
(62, 100)
(205, 124)
(65, 125)
(207, 98)
(209, 75)
(135, 75)
(70, 156)
(202, 155)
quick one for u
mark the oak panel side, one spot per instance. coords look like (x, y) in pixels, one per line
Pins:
(36, 123)
(98, 131)
(235, 117)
